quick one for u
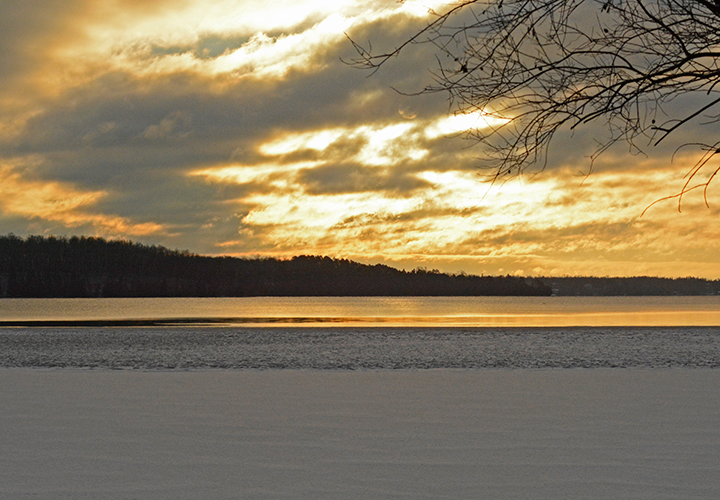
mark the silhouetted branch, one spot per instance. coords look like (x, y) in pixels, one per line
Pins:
(549, 65)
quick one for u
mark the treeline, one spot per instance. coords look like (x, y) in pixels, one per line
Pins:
(635, 286)
(94, 267)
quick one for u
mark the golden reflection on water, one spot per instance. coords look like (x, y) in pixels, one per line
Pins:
(371, 311)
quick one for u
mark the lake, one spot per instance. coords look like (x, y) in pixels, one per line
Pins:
(369, 311)
(361, 332)
(361, 398)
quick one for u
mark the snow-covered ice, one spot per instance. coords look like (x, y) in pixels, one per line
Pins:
(162, 348)
(369, 434)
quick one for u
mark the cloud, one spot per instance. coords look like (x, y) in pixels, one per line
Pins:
(223, 127)
(62, 203)
(172, 126)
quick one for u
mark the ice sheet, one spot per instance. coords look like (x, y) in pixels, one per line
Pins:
(409, 434)
(358, 348)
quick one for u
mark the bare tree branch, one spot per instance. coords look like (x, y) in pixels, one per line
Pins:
(551, 65)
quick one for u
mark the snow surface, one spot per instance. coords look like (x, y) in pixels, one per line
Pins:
(372, 434)
(359, 413)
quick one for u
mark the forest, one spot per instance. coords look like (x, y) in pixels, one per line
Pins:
(82, 266)
(635, 286)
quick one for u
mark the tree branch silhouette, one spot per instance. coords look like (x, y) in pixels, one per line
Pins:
(548, 65)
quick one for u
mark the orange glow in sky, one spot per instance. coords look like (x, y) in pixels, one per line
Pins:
(234, 127)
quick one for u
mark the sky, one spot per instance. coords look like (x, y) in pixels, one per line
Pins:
(233, 127)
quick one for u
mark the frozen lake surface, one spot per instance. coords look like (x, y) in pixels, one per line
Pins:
(364, 435)
(332, 348)
(376, 399)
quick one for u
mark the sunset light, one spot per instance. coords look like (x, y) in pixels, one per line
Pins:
(359, 249)
(62, 204)
(240, 128)
(457, 124)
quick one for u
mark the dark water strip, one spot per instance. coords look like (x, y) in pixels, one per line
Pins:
(485, 321)
(205, 321)
(420, 321)
(425, 321)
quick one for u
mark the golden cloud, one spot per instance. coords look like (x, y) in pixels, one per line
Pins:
(59, 202)
(160, 38)
(554, 223)
(593, 224)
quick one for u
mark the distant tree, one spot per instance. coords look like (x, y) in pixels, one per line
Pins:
(94, 267)
(642, 68)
